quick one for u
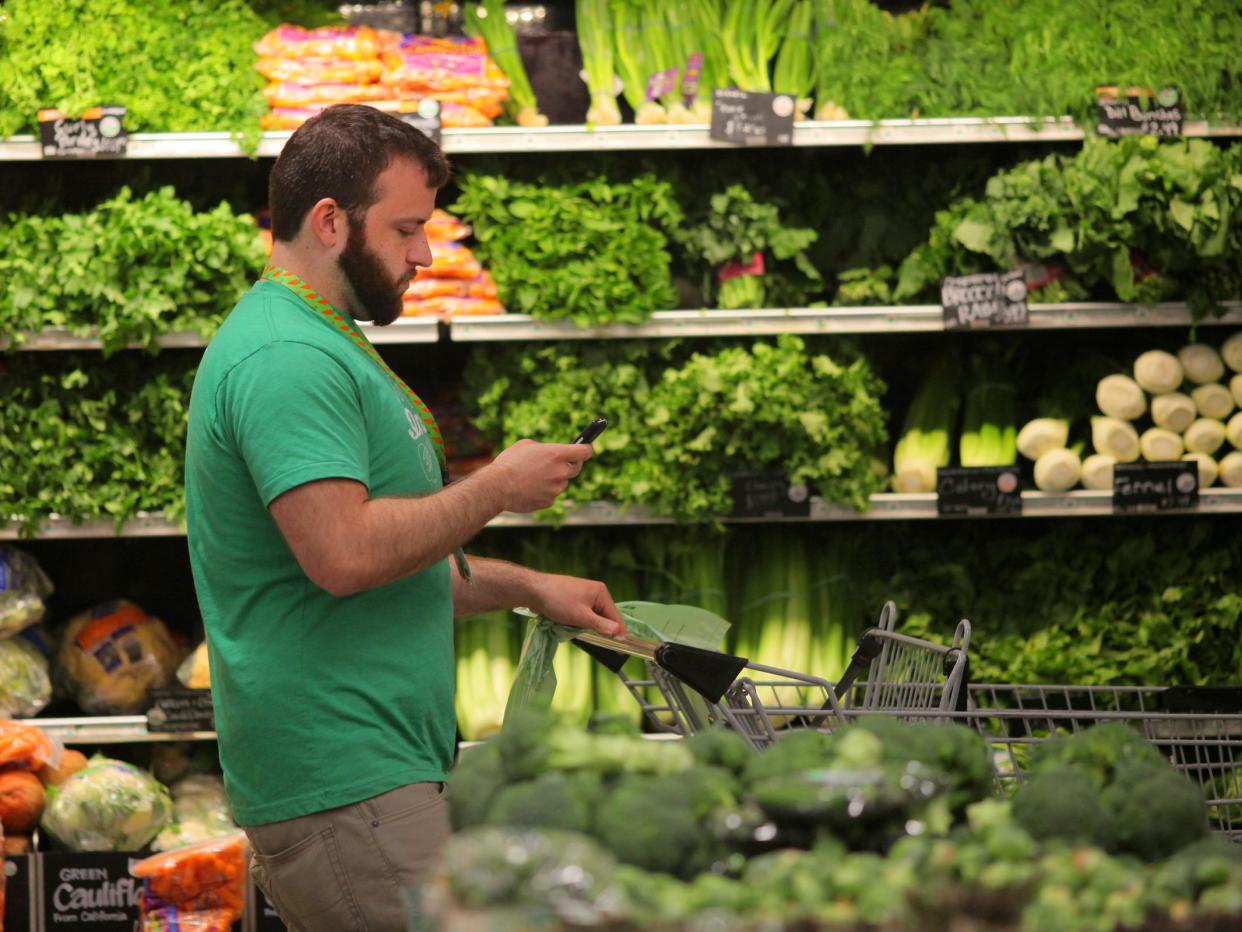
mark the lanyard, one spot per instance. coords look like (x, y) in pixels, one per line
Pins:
(317, 303)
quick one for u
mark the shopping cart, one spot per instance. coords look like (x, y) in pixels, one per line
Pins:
(890, 672)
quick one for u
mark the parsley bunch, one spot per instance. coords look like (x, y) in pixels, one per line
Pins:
(595, 252)
(88, 441)
(132, 269)
(681, 425)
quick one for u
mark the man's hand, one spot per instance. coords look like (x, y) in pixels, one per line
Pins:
(529, 476)
(579, 603)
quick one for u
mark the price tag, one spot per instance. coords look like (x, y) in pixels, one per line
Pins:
(991, 299)
(1138, 112)
(769, 495)
(98, 133)
(662, 83)
(425, 119)
(690, 81)
(1155, 486)
(90, 890)
(752, 119)
(979, 490)
(181, 710)
(20, 892)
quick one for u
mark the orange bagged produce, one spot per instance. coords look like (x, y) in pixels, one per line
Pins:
(443, 227)
(422, 289)
(25, 747)
(354, 42)
(451, 260)
(321, 70)
(195, 887)
(21, 801)
(291, 95)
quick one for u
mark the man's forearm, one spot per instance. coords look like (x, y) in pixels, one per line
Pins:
(496, 585)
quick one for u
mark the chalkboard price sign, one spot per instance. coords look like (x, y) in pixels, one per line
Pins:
(769, 495)
(979, 490)
(752, 119)
(426, 119)
(98, 133)
(1138, 112)
(1155, 486)
(989, 299)
(181, 710)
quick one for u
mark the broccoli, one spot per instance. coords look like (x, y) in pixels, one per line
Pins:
(709, 789)
(961, 754)
(551, 801)
(1062, 804)
(534, 742)
(1154, 810)
(472, 784)
(1102, 751)
(1202, 865)
(648, 821)
(721, 747)
(796, 752)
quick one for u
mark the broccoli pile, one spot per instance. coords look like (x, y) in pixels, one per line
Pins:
(1110, 787)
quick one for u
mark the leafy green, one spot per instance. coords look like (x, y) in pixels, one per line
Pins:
(86, 440)
(736, 227)
(130, 270)
(678, 434)
(594, 252)
(176, 67)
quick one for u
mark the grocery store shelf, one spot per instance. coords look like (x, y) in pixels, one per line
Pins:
(884, 507)
(923, 318)
(578, 138)
(112, 729)
(404, 330)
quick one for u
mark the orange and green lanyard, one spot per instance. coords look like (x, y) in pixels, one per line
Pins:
(317, 303)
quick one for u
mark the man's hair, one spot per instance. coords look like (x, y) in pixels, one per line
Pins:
(340, 153)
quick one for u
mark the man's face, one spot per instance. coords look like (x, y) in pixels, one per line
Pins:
(388, 248)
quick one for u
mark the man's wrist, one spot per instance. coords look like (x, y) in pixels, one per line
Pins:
(488, 482)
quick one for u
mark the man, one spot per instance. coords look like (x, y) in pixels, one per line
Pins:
(326, 546)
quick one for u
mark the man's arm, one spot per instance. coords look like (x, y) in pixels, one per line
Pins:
(346, 542)
(567, 600)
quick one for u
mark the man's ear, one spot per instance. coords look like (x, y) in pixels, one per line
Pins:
(327, 223)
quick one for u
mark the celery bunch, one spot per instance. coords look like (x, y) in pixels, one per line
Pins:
(487, 20)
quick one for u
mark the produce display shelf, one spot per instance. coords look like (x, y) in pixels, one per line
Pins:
(112, 729)
(404, 330)
(922, 318)
(631, 137)
(884, 507)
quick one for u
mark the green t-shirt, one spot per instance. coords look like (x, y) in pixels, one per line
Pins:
(320, 701)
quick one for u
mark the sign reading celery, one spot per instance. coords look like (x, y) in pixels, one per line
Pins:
(752, 119)
(768, 495)
(181, 710)
(98, 133)
(990, 299)
(1172, 486)
(979, 490)
(1138, 112)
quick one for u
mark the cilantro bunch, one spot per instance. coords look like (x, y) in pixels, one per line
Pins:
(595, 251)
(131, 268)
(177, 67)
(88, 441)
(681, 425)
(1135, 220)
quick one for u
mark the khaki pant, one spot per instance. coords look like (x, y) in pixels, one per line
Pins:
(345, 870)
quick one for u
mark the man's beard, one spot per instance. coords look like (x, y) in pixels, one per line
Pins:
(380, 298)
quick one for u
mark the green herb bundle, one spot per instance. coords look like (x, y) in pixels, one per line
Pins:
(735, 228)
(679, 433)
(1143, 220)
(595, 252)
(86, 440)
(176, 66)
(131, 269)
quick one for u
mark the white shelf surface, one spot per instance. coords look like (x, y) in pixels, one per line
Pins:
(112, 729)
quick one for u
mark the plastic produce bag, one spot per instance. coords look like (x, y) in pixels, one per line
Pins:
(24, 589)
(201, 812)
(25, 683)
(113, 656)
(109, 806)
(25, 747)
(198, 888)
(535, 681)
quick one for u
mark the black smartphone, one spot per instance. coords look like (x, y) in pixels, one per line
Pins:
(591, 431)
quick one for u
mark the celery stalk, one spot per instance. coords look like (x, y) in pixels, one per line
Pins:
(595, 41)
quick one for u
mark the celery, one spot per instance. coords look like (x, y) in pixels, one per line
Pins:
(595, 41)
(988, 428)
(487, 19)
(795, 73)
(926, 439)
(637, 56)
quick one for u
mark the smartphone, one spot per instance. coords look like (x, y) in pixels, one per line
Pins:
(591, 431)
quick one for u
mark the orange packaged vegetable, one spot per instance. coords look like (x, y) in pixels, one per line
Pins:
(354, 42)
(451, 260)
(206, 876)
(321, 70)
(290, 94)
(25, 747)
(443, 227)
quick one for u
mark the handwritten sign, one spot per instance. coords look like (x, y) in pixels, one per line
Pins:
(989, 299)
(979, 490)
(752, 119)
(769, 495)
(1155, 486)
(181, 710)
(1138, 112)
(426, 119)
(98, 133)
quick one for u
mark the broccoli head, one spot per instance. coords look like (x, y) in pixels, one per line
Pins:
(1154, 811)
(959, 753)
(796, 752)
(721, 747)
(473, 784)
(1102, 751)
(551, 801)
(648, 821)
(1062, 804)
